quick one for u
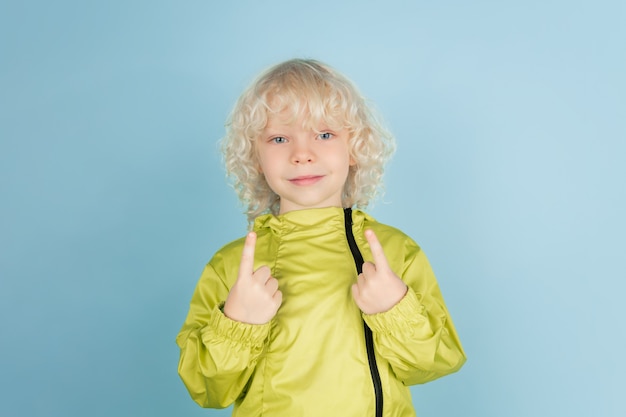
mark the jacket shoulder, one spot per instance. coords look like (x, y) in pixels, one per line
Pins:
(389, 235)
(228, 255)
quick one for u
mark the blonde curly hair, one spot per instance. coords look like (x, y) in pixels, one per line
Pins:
(318, 93)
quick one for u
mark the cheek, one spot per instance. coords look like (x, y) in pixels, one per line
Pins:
(263, 161)
(268, 168)
(344, 165)
(347, 159)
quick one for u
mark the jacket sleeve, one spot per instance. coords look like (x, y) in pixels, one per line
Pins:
(217, 355)
(417, 336)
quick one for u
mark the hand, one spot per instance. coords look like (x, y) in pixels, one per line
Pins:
(377, 288)
(255, 298)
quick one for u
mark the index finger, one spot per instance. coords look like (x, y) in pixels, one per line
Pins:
(380, 260)
(247, 255)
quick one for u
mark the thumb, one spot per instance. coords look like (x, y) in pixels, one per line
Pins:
(356, 294)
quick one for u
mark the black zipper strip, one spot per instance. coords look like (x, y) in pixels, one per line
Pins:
(369, 339)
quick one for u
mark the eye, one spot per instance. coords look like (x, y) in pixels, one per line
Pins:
(279, 139)
(325, 135)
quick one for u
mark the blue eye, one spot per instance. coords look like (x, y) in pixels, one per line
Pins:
(325, 135)
(279, 139)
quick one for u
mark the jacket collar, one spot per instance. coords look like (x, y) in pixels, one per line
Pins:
(324, 219)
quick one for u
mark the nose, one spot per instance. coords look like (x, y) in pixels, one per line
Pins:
(302, 153)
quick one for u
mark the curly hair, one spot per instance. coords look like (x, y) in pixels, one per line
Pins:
(318, 93)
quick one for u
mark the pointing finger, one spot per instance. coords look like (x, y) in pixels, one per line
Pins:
(380, 260)
(247, 256)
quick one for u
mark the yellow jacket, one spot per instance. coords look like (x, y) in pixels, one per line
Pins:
(311, 359)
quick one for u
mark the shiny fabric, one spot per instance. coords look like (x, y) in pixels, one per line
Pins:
(311, 360)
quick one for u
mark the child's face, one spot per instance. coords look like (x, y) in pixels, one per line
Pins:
(307, 168)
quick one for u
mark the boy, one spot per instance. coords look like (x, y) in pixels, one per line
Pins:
(320, 310)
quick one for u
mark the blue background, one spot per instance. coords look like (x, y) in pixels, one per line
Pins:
(510, 120)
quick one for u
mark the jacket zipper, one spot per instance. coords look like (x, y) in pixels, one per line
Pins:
(369, 339)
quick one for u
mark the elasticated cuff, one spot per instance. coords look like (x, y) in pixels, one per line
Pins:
(407, 313)
(220, 326)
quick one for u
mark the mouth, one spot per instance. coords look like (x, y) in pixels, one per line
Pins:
(306, 179)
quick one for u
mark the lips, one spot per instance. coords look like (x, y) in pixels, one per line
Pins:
(306, 180)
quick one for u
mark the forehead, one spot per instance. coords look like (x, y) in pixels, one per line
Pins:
(304, 120)
(309, 113)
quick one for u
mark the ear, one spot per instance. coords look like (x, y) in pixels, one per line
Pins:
(257, 162)
(352, 150)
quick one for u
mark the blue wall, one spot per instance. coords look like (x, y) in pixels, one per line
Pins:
(510, 119)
